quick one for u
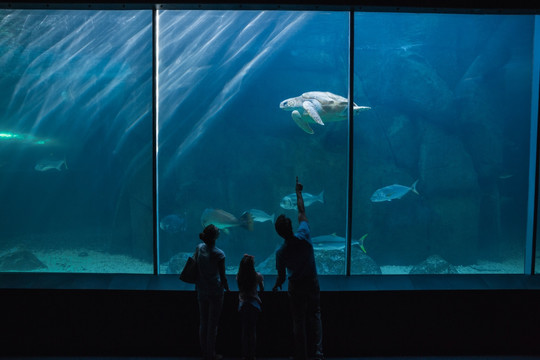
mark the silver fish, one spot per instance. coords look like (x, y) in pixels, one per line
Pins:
(49, 164)
(261, 216)
(289, 202)
(334, 242)
(391, 192)
(223, 220)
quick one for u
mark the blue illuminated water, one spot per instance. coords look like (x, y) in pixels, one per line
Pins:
(449, 96)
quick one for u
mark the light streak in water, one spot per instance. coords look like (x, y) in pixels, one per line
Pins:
(8, 136)
(277, 39)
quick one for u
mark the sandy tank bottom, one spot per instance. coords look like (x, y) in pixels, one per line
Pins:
(92, 261)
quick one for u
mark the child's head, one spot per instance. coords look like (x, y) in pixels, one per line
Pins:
(247, 262)
(247, 277)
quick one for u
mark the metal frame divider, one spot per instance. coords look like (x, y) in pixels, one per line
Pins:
(155, 98)
(532, 211)
(350, 149)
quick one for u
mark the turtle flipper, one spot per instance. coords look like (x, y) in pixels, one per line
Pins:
(357, 109)
(301, 122)
(313, 108)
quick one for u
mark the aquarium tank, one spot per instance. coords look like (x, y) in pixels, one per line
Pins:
(124, 133)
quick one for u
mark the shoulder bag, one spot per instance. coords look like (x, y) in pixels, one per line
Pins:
(190, 273)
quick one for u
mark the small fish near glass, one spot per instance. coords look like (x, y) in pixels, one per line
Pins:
(392, 192)
(223, 220)
(334, 242)
(173, 224)
(51, 164)
(289, 202)
(261, 216)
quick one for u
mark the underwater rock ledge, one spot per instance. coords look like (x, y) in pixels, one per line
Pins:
(22, 260)
(434, 264)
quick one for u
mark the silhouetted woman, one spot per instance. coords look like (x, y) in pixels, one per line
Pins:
(249, 303)
(210, 285)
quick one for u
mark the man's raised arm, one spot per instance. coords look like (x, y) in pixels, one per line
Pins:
(300, 202)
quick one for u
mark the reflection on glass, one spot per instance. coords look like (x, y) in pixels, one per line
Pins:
(441, 160)
(75, 141)
(232, 139)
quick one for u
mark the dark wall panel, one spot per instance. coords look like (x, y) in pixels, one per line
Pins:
(164, 323)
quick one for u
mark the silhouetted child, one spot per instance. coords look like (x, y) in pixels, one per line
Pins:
(249, 303)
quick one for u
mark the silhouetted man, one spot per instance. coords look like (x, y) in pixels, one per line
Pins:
(296, 256)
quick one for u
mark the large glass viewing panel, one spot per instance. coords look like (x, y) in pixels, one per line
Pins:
(442, 128)
(228, 154)
(75, 141)
(442, 159)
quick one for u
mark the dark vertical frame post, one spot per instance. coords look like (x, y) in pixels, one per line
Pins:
(532, 211)
(155, 139)
(350, 148)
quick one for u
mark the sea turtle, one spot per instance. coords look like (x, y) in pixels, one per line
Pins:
(318, 107)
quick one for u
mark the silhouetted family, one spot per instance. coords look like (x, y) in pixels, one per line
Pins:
(295, 256)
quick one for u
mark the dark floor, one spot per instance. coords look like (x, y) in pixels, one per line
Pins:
(225, 358)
